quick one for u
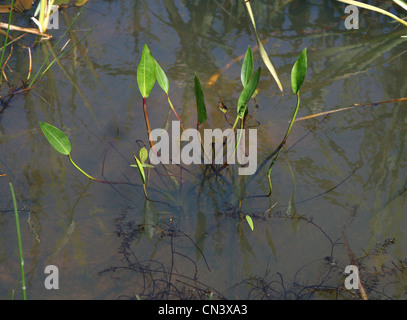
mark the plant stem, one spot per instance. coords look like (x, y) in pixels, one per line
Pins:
(173, 109)
(147, 122)
(234, 125)
(20, 248)
(83, 172)
(145, 191)
(277, 151)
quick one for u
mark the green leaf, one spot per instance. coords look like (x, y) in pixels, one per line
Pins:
(247, 93)
(143, 154)
(161, 78)
(56, 138)
(250, 222)
(146, 74)
(200, 101)
(247, 67)
(299, 71)
(140, 169)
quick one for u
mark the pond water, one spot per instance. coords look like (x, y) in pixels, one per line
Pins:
(338, 188)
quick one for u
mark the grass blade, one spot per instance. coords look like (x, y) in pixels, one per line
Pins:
(373, 8)
(262, 51)
(401, 4)
(20, 247)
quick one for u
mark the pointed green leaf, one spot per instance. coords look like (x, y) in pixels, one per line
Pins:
(143, 154)
(247, 67)
(146, 74)
(140, 169)
(250, 222)
(247, 93)
(200, 101)
(56, 138)
(299, 71)
(161, 78)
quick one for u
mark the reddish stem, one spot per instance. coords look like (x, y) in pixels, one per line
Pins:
(147, 122)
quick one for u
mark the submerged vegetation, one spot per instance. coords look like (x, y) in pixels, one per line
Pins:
(170, 215)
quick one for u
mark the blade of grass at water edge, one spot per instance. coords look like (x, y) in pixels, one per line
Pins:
(262, 51)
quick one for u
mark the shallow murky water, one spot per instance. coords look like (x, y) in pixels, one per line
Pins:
(338, 189)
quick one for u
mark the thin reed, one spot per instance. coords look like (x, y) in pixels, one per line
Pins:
(20, 247)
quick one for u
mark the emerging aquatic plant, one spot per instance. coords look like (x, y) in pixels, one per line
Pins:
(140, 165)
(61, 143)
(250, 83)
(149, 71)
(298, 73)
(164, 84)
(146, 77)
